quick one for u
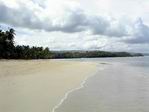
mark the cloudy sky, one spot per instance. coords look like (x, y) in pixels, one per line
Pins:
(112, 25)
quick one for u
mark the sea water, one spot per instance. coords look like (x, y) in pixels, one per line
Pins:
(122, 86)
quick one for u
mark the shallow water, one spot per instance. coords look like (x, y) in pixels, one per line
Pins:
(123, 86)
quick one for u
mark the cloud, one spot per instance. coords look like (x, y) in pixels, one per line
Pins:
(66, 24)
(140, 33)
(74, 21)
(33, 16)
(20, 17)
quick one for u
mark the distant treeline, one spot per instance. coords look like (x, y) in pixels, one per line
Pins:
(92, 54)
(8, 50)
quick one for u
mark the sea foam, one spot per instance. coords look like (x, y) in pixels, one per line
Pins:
(75, 89)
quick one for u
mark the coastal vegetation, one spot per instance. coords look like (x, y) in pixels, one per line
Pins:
(8, 50)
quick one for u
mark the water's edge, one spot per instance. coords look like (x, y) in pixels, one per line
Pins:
(77, 88)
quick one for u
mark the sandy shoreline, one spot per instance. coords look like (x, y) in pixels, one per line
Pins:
(37, 86)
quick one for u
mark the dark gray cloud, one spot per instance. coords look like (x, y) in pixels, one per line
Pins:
(140, 35)
(26, 18)
(22, 17)
(75, 21)
(102, 26)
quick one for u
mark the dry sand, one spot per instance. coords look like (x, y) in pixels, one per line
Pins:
(39, 85)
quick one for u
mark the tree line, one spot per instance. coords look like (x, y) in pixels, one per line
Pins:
(8, 50)
(92, 54)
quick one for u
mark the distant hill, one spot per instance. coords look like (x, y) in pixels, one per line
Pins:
(146, 54)
(91, 54)
(8, 50)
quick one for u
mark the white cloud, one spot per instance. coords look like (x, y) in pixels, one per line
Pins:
(74, 20)
(79, 24)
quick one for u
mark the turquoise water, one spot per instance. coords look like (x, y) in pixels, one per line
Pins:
(123, 86)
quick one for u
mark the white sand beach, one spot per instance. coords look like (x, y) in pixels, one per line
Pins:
(39, 85)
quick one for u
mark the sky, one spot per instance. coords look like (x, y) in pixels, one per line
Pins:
(111, 25)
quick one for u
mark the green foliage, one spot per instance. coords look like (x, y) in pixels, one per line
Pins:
(9, 51)
(89, 54)
(7, 43)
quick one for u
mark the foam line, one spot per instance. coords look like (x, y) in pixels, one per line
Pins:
(70, 91)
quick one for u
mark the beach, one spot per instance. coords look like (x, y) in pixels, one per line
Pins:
(79, 85)
(39, 85)
(122, 86)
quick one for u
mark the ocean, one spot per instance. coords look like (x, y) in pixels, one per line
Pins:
(121, 86)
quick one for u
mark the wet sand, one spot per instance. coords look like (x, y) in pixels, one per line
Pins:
(119, 87)
(39, 85)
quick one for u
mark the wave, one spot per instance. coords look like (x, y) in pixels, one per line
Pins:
(75, 89)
